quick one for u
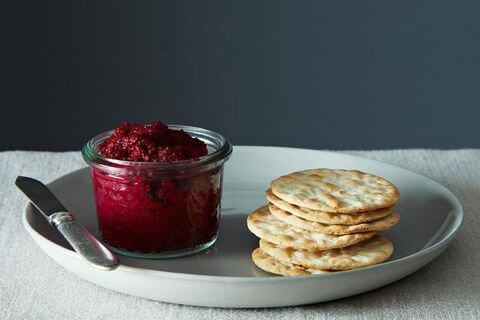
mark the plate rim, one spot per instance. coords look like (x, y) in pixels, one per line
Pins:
(243, 279)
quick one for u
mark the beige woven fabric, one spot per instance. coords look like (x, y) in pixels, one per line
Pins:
(32, 286)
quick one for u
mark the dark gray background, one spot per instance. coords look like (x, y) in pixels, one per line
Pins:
(319, 74)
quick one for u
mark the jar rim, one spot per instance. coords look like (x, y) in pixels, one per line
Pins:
(221, 153)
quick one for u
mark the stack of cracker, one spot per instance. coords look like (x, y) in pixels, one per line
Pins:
(324, 220)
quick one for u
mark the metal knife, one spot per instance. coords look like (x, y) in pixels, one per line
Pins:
(82, 241)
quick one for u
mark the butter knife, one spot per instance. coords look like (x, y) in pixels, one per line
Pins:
(82, 241)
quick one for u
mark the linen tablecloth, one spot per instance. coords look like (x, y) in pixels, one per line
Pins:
(32, 286)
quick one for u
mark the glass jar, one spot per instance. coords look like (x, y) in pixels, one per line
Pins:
(159, 209)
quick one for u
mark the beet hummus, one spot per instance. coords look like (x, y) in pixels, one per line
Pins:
(151, 143)
(145, 211)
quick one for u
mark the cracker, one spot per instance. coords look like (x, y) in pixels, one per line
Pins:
(270, 264)
(265, 226)
(369, 252)
(377, 225)
(328, 217)
(335, 190)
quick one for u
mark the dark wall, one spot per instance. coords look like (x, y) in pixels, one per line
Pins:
(321, 74)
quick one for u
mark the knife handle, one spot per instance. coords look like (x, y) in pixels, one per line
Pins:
(82, 241)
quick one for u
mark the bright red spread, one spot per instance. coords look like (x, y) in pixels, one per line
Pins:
(151, 143)
(149, 212)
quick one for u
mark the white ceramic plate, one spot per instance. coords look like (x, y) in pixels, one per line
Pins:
(224, 275)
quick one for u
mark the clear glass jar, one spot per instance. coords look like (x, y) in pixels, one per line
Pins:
(159, 209)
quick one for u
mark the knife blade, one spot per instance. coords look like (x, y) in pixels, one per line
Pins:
(81, 240)
(40, 196)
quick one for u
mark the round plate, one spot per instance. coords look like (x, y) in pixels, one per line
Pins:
(224, 275)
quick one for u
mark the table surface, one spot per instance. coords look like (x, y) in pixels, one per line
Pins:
(32, 286)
